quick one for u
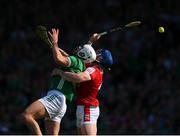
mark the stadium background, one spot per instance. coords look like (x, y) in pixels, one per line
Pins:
(140, 95)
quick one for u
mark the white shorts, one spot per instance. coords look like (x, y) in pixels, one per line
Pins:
(86, 115)
(55, 104)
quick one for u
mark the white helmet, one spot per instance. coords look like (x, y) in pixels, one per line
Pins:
(87, 53)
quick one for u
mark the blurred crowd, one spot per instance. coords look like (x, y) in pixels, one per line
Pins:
(141, 93)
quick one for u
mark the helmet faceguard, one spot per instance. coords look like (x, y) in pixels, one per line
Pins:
(86, 52)
(104, 57)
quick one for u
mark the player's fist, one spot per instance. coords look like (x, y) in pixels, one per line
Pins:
(94, 37)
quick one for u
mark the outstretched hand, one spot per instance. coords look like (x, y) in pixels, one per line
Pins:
(54, 36)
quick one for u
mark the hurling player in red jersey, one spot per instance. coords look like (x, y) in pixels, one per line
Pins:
(90, 80)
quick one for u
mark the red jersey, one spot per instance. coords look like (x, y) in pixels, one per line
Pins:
(87, 91)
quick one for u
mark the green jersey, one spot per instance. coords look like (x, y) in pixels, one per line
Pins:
(66, 87)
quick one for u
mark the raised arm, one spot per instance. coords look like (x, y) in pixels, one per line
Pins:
(72, 77)
(63, 52)
(59, 55)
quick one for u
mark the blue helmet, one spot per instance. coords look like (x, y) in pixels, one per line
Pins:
(104, 57)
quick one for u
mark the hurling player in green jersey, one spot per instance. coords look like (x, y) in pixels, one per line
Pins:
(52, 107)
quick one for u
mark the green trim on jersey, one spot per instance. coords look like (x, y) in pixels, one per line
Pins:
(66, 87)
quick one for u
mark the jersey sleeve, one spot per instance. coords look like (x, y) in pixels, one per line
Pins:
(72, 61)
(91, 72)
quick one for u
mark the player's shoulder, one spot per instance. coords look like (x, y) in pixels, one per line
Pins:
(92, 69)
(73, 57)
(75, 60)
(76, 64)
